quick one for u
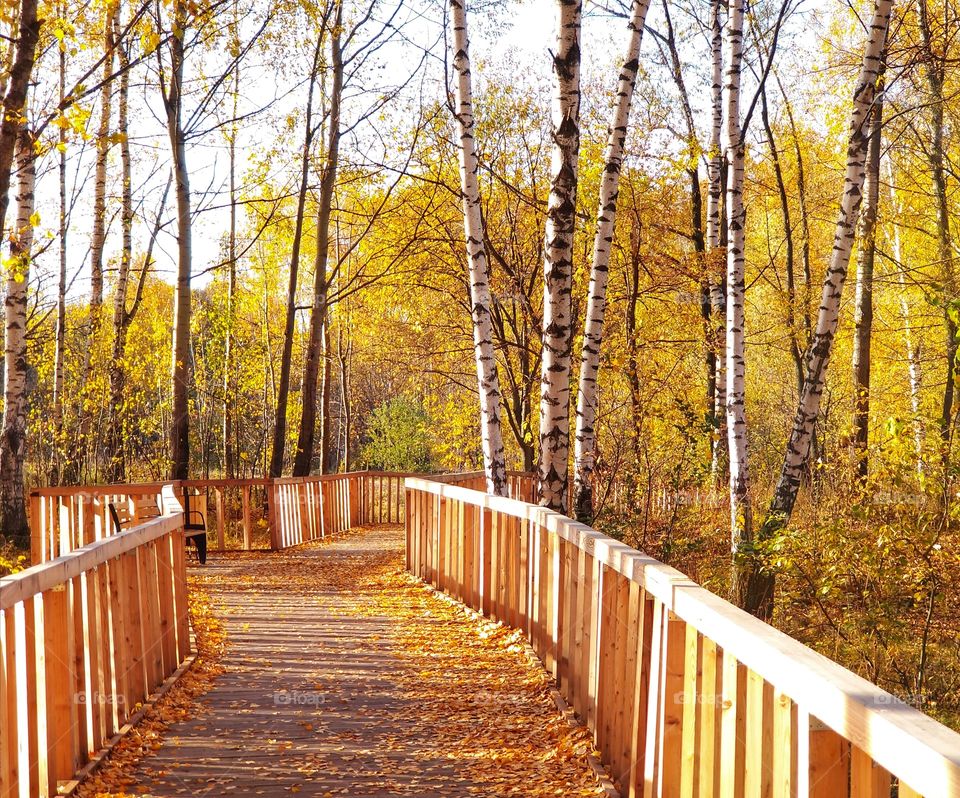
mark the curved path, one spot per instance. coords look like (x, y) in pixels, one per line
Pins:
(344, 676)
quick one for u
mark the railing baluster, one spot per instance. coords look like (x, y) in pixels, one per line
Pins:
(829, 762)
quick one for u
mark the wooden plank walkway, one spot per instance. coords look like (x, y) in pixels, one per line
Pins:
(346, 677)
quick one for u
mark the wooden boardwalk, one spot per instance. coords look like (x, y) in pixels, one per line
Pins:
(343, 676)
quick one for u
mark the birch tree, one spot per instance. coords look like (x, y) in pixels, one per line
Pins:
(716, 240)
(13, 515)
(98, 235)
(488, 381)
(15, 389)
(755, 581)
(98, 239)
(61, 313)
(863, 302)
(558, 261)
(741, 511)
(122, 318)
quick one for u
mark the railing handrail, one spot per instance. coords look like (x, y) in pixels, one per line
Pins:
(85, 639)
(897, 736)
(158, 485)
(39, 578)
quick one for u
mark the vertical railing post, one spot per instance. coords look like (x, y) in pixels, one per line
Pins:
(271, 490)
(245, 498)
(59, 729)
(36, 530)
(828, 767)
(221, 521)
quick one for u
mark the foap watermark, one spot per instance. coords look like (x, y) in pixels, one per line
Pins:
(716, 699)
(298, 698)
(496, 698)
(904, 498)
(98, 699)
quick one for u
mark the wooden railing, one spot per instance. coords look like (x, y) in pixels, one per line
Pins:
(64, 518)
(239, 514)
(521, 485)
(84, 639)
(685, 694)
(310, 508)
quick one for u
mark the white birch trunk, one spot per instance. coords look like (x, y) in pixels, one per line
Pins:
(116, 470)
(13, 515)
(821, 345)
(718, 303)
(585, 444)
(741, 511)
(488, 381)
(14, 432)
(715, 153)
(558, 261)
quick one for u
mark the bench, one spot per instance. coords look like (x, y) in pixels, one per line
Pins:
(146, 507)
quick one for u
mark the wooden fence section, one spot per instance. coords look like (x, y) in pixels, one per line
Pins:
(239, 513)
(685, 694)
(521, 485)
(84, 639)
(63, 519)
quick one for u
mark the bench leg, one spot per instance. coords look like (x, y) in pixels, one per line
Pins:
(201, 543)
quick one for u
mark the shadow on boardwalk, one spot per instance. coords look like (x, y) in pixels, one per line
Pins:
(345, 677)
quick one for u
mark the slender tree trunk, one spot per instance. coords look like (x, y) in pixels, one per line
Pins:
(13, 511)
(558, 262)
(804, 219)
(283, 383)
(80, 454)
(934, 68)
(228, 388)
(61, 318)
(633, 364)
(587, 396)
(488, 381)
(13, 514)
(343, 358)
(115, 434)
(318, 316)
(15, 97)
(716, 244)
(180, 367)
(863, 308)
(741, 509)
(914, 373)
(123, 319)
(807, 292)
(796, 351)
(759, 579)
(229, 391)
(98, 235)
(325, 397)
(707, 278)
